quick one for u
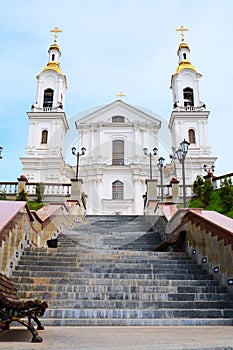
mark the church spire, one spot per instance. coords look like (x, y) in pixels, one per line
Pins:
(189, 117)
(52, 83)
(55, 31)
(48, 124)
(182, 29)
(54, 53)
(185, 82)
(183, 52)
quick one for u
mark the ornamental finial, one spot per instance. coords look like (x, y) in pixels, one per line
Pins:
(182, 29)
(55, 31)
(121, 95)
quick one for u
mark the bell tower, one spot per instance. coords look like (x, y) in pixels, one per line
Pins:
(44, 160)
(189, 117)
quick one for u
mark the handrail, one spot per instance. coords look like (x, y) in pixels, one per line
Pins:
(208, 235)
(22, 228)
(214, 227)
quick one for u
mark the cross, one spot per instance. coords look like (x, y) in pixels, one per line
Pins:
(121, 95)
(182, 29)
(55, 31)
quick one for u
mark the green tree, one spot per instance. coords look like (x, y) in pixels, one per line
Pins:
(207, 192)
(198, 185)
(22, 196)
(2, 195)
(39, 193)
(226, 194)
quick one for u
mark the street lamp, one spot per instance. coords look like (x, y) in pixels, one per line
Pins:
(1, 148)
(209, 169)
(160, 165)
(77, 154)
(181, 154)
(145, 150)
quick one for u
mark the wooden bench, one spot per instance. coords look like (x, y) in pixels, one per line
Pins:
(12, 308)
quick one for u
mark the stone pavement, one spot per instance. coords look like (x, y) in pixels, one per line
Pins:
(120, 338)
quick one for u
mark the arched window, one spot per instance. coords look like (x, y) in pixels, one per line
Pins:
(44, 136)
(188, 97)
(48, 98)
(118, 119)
(184, 55)
(53, 57)
(117, 190)
(192, 138)
(118, 152)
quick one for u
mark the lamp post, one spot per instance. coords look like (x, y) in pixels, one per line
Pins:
(1, 148)
(145, 150)
(160, 165)
(181, 154)
(78, 154)
(209, 169)
(210, 173)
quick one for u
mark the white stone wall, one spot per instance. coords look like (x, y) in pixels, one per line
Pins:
(96, 134)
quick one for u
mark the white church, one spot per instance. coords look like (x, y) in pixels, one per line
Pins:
(114, 168)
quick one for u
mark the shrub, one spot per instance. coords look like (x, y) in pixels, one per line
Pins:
(226, 194)
(2, 195)
(207, 192)
(198, 185)
(39, 193)
(22, 196)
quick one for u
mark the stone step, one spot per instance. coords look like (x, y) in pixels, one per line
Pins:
(114, 269)
(137, 322)
(104, 227)
(120, 288)
(110, 264)
(111, 228)
(85, 262)
(106, 254)
(127, 296)
(20, 281)
(114, 275)
(133, 313)
(141, 305)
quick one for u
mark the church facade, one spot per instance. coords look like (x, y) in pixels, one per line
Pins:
(115, 167)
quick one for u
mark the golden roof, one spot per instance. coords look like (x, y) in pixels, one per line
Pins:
(185, 64)
(183, 45)
(53, 66)
(54, 46)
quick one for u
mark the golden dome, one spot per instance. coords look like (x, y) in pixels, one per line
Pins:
(54, 46)
(185, 65)
(183, 45)
(53, 66)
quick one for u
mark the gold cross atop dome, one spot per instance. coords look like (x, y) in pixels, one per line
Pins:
(182, 29)
(55, 31)
(121, 95)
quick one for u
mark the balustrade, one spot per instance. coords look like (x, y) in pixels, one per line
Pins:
(48, 189)
(8, 187)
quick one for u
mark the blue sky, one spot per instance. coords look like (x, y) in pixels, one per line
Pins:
(111, 46)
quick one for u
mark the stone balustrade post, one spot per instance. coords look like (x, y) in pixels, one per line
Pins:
(174, 183)
(151, 185)
(22, 181)
(76, 190)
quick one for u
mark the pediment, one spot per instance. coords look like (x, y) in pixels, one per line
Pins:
(131, 114)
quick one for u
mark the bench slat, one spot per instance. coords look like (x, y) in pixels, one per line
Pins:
(12, 308)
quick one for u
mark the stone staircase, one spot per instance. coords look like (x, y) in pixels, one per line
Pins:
(116, 232)
(103, 273)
